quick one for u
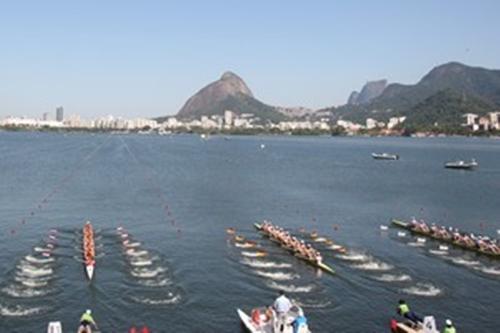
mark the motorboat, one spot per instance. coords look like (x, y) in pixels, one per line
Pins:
(265, 320)
(461, 165)
(385, 156)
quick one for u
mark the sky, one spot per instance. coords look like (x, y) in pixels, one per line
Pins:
(146, 58)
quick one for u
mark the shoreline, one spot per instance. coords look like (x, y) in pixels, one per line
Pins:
(206, 133)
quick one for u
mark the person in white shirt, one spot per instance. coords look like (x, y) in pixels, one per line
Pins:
(282, 304)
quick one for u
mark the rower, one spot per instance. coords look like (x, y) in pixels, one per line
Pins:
(404, 310)
(449, 327)
(86, 321)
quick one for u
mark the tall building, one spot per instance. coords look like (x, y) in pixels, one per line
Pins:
(45, 116)
(228, 118)
(60, 113)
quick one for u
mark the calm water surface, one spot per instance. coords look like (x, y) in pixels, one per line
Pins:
(177, 195)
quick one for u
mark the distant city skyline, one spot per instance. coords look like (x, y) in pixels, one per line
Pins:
(146, 59)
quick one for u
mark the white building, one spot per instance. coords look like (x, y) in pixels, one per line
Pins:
(228, 118)
(371, 123)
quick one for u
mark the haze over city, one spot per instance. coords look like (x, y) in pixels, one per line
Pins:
(145, 59)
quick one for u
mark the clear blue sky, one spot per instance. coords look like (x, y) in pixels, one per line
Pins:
(145, 58)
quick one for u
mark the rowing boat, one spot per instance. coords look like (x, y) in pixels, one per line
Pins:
(88, 250)
(322, 266)
(407, 226)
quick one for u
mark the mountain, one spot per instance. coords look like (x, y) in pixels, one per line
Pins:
(230, 92)
(442, 85)
(353, 98)
(445, 109)
(370, 91)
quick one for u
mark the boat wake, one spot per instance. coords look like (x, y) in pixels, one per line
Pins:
(310, 304)
(373, 266)
(438, 252)
(393, 278)
(17, 291)
(353, 256)
(415, 244)
(465, 262)
(171, 300)
(277, 276)
(291, 288)
(264, 264)
(20, 311)
(161, 282)
(489, 270)
(35, 260)
(147, 271)
(423, 289)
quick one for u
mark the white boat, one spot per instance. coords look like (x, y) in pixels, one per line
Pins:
(260, 322)
(461, 165)
(385, 156)
(54, 327)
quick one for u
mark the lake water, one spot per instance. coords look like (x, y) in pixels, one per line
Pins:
(176, 195)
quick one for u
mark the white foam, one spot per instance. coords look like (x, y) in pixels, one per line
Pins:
(35, 260)
(438, 252)
(155, 283)
(393, 278)
(16, 291)
(354, 257)
(374, 266)
(41, 249)
(264, 264)
(415, 244)
(166, 301)
(423, 289)
(132, 245)
(465, 262)
(139, 253)
(18, 311)
(277, 276)
(141, 263)
(335, 247)
(290, 288)
(34, 272)
(32, 283)
(147, 273)
(490, 270)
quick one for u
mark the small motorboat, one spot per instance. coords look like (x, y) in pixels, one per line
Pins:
(265, 320)
(385, 156)
(428, 326)
(461, 165)
(54, 327)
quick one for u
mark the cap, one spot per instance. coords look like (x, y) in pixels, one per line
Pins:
(448, 322)
(88, 311)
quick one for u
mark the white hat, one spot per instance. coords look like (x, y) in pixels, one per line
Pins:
(88, 311)
(448, 322)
